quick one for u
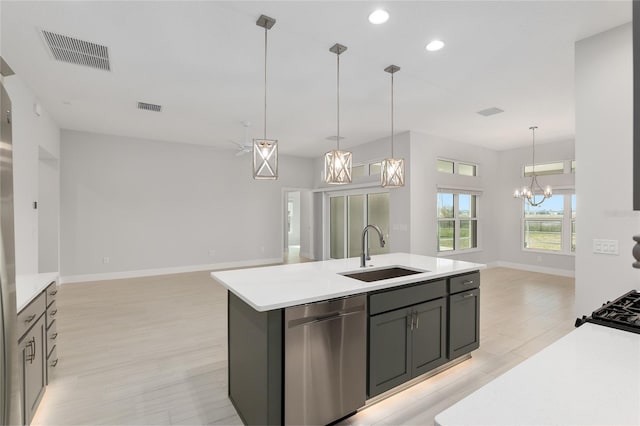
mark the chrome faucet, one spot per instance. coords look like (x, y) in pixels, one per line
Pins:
(365, 251)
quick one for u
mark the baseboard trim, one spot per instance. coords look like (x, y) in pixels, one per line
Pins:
(532, 268)
(306, 255)
(166, 271)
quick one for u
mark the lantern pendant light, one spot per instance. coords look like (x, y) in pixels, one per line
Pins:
(392, 173)
(265, 151)
(534, 190)
(337, 164)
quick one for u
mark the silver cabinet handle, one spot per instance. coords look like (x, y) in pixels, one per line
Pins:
(53, 292)
(468, 295)
(410, 318)
(417, 320)
(54, 336)
(30, 318)
(467, 282)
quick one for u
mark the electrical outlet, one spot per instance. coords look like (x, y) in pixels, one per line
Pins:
(105, 260)
(606, 247)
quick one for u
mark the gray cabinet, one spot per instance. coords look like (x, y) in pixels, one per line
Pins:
(464, 315)
(32, 356)
(37, 338)
(409, 341)
(429, 336)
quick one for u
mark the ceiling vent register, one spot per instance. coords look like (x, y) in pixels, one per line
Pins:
(490, 111)
(76, 51)
(149, 107)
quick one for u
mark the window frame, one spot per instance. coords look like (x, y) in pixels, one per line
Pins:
(456, 222)
(566, 221)
(456, 165)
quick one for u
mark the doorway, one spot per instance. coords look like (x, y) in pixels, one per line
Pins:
(349, 214)
(297, 237)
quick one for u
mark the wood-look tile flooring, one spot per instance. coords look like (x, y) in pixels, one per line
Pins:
(152, 351)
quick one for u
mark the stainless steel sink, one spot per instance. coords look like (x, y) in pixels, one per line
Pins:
(382, 274)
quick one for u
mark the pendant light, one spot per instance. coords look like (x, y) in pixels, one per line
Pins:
(337, 164)
(392, 173)
(534, 190)
(265, 151)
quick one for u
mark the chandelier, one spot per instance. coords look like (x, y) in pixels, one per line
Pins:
(534, 194)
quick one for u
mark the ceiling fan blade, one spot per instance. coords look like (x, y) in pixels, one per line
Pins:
(237, 144)
(241, 153)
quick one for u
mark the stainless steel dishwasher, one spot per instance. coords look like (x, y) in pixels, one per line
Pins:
(325, 360)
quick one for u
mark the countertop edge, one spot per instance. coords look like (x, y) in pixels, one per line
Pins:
(380, 285)
(34, 285)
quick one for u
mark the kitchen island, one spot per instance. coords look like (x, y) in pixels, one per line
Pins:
(407, 326)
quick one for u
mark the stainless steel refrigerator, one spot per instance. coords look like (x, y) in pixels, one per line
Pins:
(10, 409)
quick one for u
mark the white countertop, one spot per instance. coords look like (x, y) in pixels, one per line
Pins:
(281, 286)
(589, 377)
(29, 286)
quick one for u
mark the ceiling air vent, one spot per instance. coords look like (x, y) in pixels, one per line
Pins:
(76, 51)
(490, 111)
(149, 107)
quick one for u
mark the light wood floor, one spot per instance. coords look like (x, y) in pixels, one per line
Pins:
(152, 351)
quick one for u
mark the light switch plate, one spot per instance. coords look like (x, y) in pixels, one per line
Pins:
(605, 247)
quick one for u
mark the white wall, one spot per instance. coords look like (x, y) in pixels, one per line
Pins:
(30, 133)
(48, 212)
(425, 179)
(510, 211)
(153, 206)
(604, 147)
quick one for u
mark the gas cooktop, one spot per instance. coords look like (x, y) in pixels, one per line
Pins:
(623, 313)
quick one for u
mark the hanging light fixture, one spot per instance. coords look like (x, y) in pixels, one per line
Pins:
(534, 194)
(392, 173)
(265, 151)
(337, 164)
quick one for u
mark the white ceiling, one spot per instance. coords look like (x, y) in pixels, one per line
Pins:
(203, 61)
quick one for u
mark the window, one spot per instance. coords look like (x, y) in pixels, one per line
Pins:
(550, 226)
(457, 221)
(573, 166)
(457, 167)
(375, 168)
(358, 171)
(573, 223)
(445, 166)
(556, 168)
(466, 169)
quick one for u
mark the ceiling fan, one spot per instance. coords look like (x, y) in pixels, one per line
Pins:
(246, 146)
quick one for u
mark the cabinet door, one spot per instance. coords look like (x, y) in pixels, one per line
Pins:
(428, 336)
(32, 348)
(389, 346)
(464, 323)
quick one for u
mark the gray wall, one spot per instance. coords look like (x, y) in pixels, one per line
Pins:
(510, 211)
(425, 179)
(604, 148)
(31, 133)
(149, 205)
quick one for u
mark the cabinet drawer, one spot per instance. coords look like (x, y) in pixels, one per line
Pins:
(51, 292)
(405, 296)
(464, 282)
(29, 315)
(52, 337)
(52, 362)
(52, 311)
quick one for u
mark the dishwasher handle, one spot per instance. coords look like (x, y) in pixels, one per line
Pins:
(327, 317)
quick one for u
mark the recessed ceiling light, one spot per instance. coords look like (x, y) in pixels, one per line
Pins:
(435, 45)
(379, 16)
